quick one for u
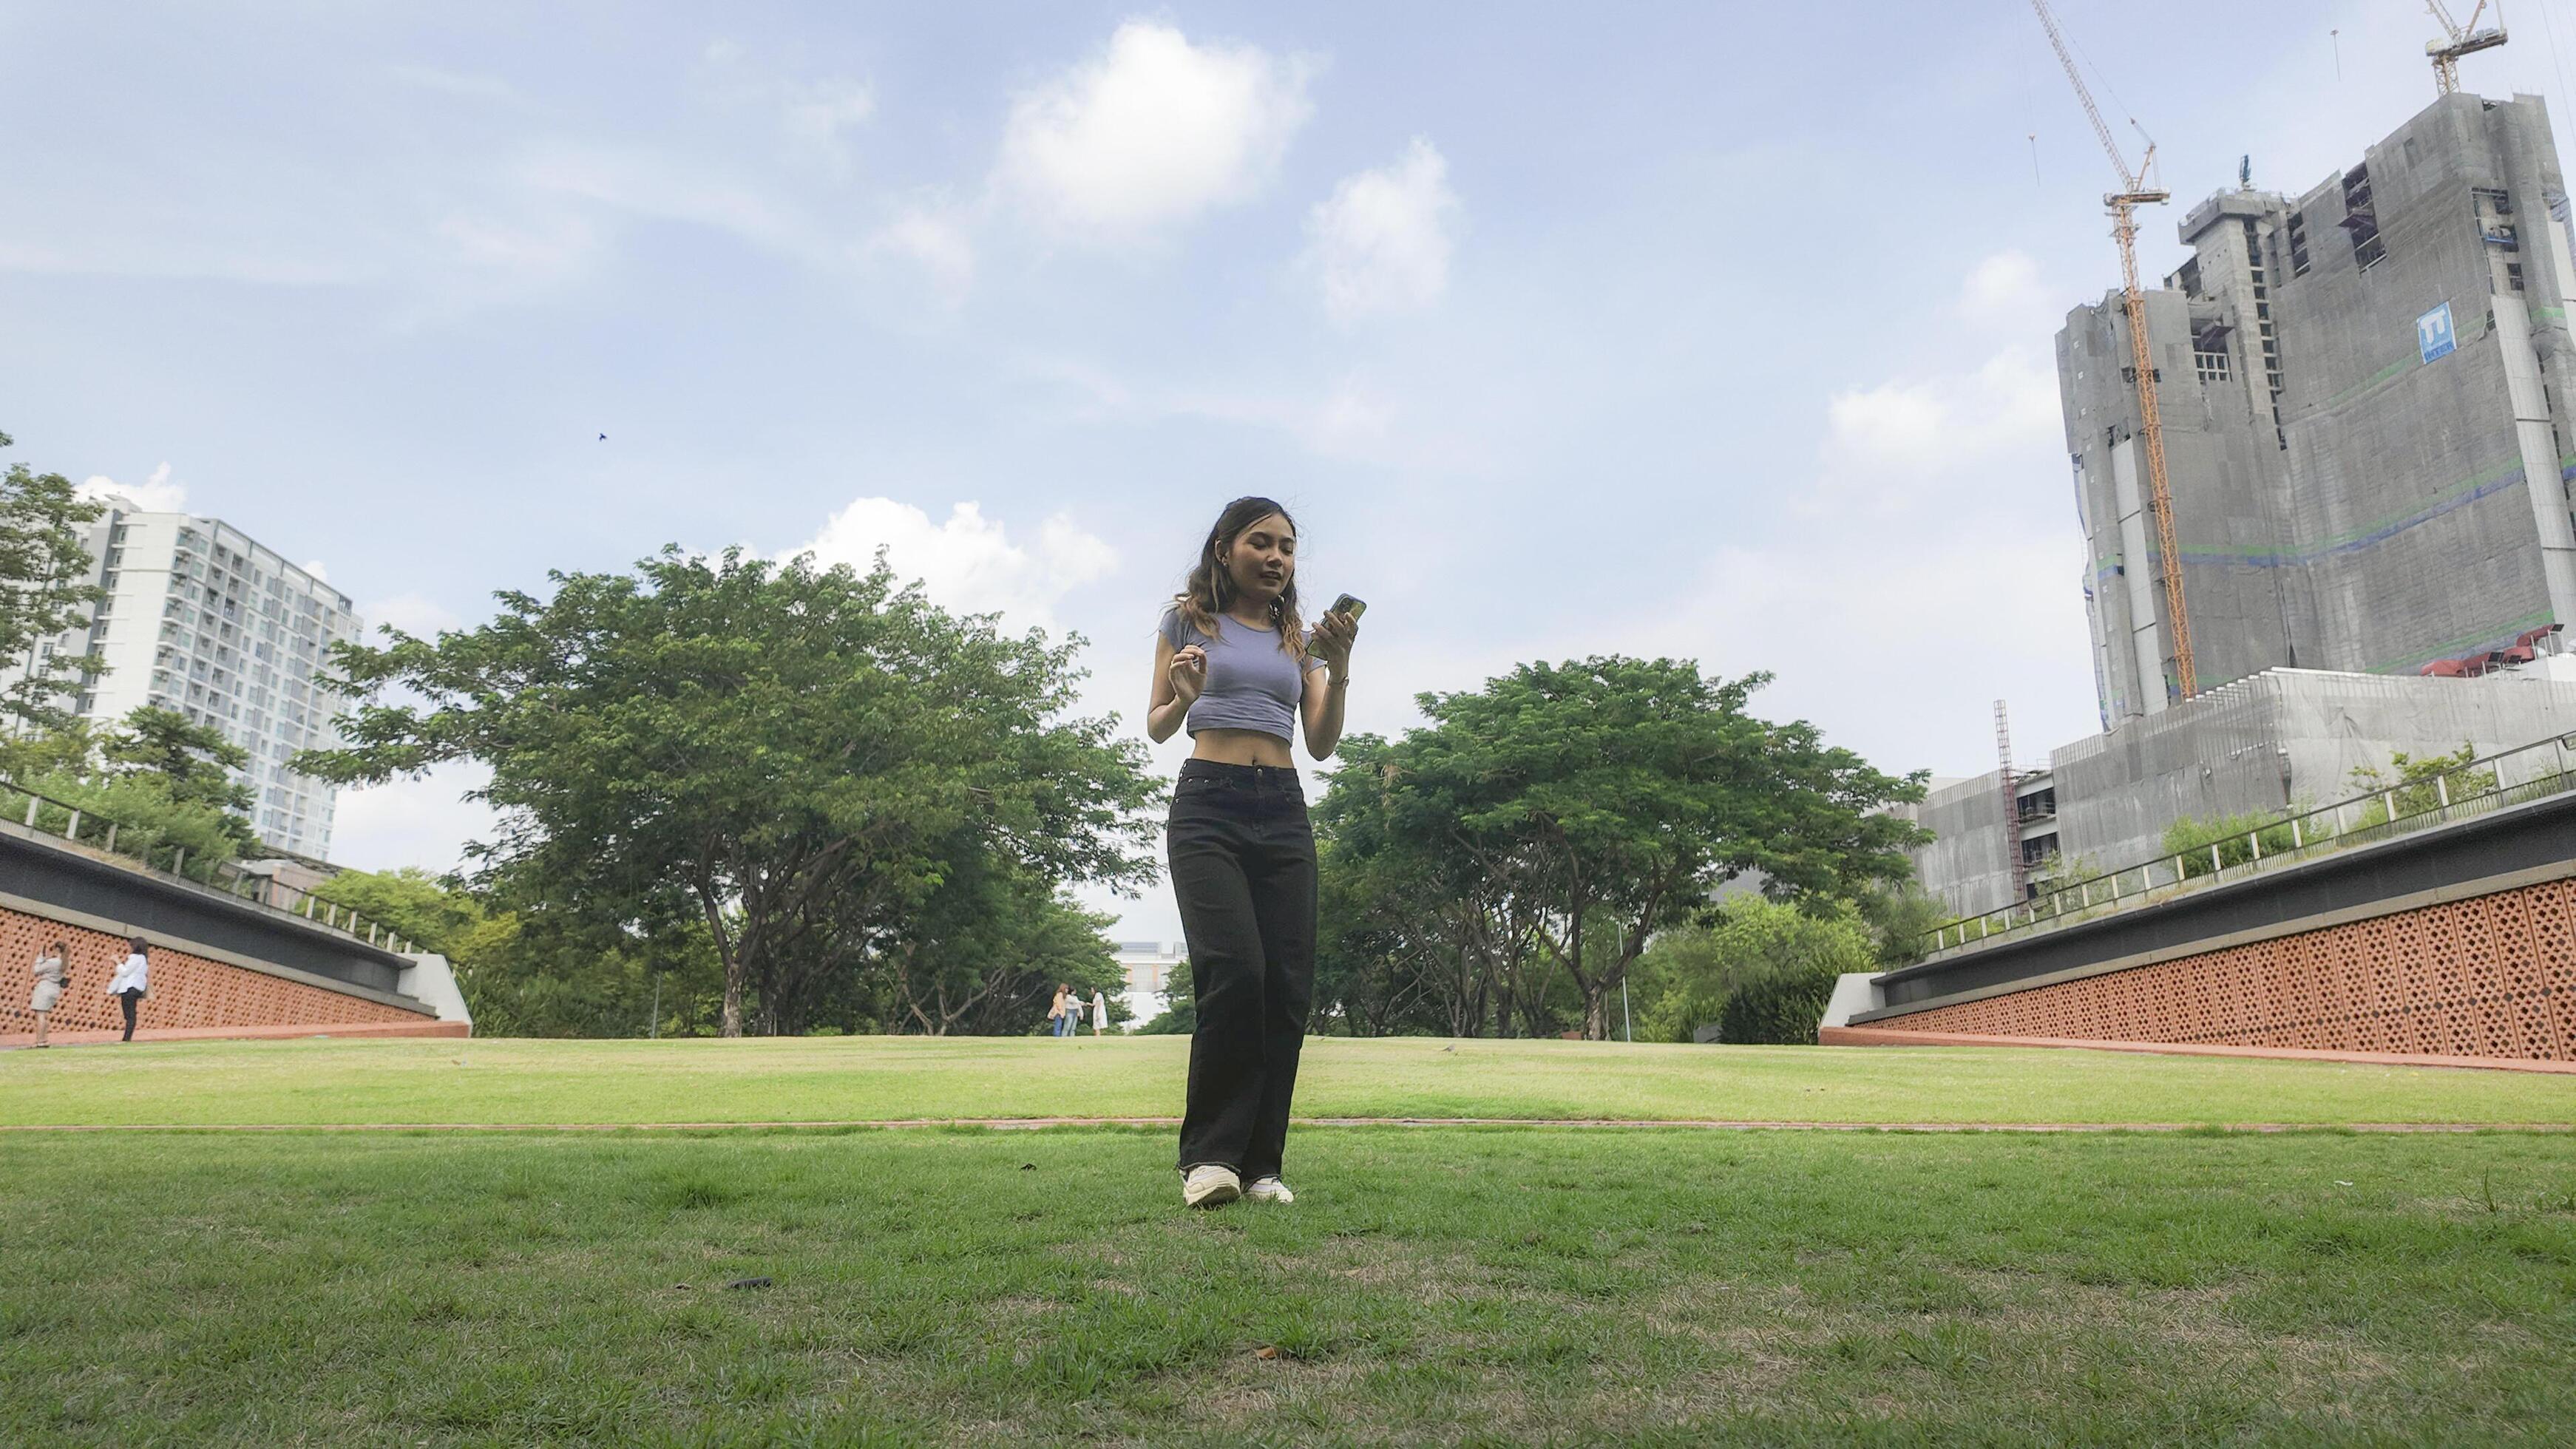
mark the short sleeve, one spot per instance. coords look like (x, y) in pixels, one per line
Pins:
(1174, 629)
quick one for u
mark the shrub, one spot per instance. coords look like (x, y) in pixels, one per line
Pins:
(1751, 968)
(2192, 839)
(1781, 1006)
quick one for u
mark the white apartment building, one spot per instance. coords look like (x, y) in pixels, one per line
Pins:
(201, 619)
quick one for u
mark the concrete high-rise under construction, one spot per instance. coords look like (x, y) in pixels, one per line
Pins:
(2366, 395)
(2368, 392)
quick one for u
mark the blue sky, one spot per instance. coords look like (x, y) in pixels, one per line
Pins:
(1716, 331)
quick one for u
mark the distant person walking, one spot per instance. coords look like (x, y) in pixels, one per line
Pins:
(1234, 663)
(1099, 1012)
(131, 983)
(51, 974)
(1066, 1011)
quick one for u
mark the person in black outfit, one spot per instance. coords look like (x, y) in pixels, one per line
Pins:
(1234, 662)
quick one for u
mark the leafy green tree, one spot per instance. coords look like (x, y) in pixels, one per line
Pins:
(1779, 964)
(1412, 937)
(435, 915)
(183, 835)
(1180, 1013)
(193, 762)
(540, 973)
(1613, 796)
(1899, 916)
(65, 748)
(44, 592)
(786, 755)
(1687, 976)
(982, 952)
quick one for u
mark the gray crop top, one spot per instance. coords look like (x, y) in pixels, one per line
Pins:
(1252, 684)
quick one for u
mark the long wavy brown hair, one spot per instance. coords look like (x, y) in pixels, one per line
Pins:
(1210, 590)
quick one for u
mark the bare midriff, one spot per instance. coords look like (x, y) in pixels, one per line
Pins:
(1241, 747)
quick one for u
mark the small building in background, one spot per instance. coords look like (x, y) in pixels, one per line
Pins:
(1149, 966)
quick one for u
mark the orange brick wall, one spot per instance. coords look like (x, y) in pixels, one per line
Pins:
(2491, 976)
(186, 990)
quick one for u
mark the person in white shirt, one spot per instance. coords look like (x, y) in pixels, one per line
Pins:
(1099, 1012)
(49, 971)
(131, 983)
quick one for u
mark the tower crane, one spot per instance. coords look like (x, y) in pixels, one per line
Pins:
(2465, 40)
(2123, 203)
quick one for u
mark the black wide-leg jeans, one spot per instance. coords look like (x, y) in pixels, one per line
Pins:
(1243, 868)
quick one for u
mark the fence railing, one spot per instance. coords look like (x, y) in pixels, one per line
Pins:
(80, 825)
(2474, 787)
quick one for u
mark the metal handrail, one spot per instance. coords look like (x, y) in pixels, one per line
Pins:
(329, 914)
(2135, 885)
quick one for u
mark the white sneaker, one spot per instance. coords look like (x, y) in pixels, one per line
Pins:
(1269, 1189)
(1210, 1185)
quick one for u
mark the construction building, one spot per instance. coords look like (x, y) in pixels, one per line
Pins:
(2365, 402)
(2365, 397)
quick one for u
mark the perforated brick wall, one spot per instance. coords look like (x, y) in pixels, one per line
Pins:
(186, 990)
(2491, 976)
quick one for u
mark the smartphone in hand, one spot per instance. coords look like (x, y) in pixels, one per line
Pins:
(1346, 604)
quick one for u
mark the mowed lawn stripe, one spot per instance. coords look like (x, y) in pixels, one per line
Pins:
(900, 1078)
(1428, 1286)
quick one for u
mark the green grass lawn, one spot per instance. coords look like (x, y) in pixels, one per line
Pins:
(874, 1078)
(1502, 1285)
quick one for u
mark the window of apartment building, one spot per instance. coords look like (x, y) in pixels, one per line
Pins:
(2211, 366)
(2298, 244)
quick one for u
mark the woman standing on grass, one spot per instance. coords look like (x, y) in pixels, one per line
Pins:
(131, 983)
(1061, 1013)
(1234, 663)
(49, 971)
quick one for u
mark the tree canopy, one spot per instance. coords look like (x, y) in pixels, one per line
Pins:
(1535, 834)
(806, 764)
(44, 592)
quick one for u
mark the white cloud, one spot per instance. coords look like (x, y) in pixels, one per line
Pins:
(2005, 279)
(936, 240)
(314, 567)
(816, 112)
(1926, 443)
(1151, 133)
(156, 494)
(1381, 241)
(1933, 564)
(2005, 297)
(968, 562)
(425, 822)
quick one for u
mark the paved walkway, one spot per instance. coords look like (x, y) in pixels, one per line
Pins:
(1031, 1124)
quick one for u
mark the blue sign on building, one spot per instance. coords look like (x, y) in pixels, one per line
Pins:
(2433, 336)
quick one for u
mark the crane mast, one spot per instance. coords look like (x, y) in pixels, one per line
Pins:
(2123, 203)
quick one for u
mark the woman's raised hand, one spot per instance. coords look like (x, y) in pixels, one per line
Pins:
(1189, 674)
(1331, 642)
